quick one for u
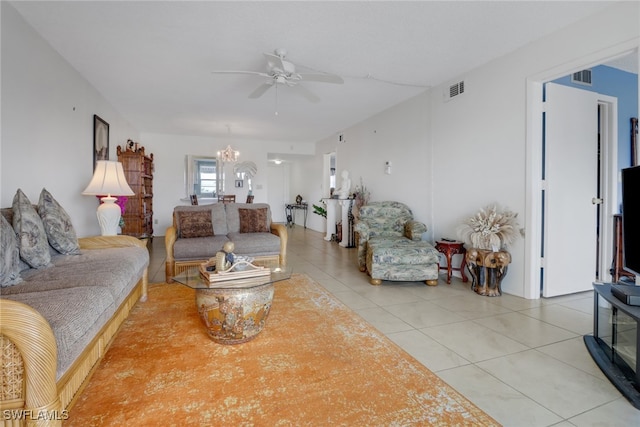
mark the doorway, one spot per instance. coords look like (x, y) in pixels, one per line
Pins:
(328, 174)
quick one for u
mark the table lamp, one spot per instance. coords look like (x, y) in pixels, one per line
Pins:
(108, 178)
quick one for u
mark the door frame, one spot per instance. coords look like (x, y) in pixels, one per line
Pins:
(533, 163)
(608, 181)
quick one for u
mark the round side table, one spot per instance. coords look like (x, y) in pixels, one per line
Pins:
(450, 248)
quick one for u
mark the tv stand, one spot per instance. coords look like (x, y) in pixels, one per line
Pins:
(615, 342)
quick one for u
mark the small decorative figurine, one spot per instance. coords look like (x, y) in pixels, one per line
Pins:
(345, 187)
(225, 258)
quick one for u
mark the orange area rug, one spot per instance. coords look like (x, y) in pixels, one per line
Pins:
(316, 363)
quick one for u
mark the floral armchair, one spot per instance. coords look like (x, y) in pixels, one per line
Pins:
(390, 245)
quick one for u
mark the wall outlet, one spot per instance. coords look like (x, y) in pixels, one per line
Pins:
(155, 221)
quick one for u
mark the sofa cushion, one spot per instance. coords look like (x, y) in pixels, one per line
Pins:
(92, 267)
(195, 224)
(255, 244)
(75, 315)
(218, 217)
(401, 251)
(233, 215)
(34, 246)
(9, 255)
(198, 247)
(253, 220)
(57, 225)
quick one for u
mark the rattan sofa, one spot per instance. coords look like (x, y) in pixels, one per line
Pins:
(191, 241)
(57, 322)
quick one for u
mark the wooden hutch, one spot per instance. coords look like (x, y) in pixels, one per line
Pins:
(138, 169)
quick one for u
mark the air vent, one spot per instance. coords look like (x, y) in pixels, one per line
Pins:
(582, 77)
(454, 90)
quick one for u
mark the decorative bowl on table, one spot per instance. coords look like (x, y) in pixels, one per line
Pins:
(235, 314)
(243, 262)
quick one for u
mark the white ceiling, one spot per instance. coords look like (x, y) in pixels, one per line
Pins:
(153, 60)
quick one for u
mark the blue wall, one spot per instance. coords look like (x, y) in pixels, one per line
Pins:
(622, 85)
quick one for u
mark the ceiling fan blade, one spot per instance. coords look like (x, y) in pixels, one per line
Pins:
(275, 60)
(256, 73)
(260, 90)
(321, 77)
(312, 97)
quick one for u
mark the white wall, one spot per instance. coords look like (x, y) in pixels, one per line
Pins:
(398, 135)
(47, 124)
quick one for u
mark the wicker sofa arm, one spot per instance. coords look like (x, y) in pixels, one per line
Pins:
(33, 338)
(170, 237)
(280, 230)
(103, 242)
(414, 229)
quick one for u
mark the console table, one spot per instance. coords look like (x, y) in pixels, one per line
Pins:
(290, 212)
(615, 342)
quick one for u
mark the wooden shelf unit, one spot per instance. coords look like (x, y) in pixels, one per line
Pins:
(138, 169)
(617, 268)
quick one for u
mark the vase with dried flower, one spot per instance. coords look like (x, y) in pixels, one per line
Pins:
(488, 233)
(361, 198)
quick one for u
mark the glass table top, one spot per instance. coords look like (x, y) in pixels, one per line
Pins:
(193, 279)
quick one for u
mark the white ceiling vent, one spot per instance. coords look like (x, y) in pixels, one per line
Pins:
(582, 77)
(454, 90)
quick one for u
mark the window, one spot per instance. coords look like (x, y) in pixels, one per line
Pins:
(202, 177)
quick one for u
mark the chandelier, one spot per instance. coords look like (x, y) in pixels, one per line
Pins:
(228, 155)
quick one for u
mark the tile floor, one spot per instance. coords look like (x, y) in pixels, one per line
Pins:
(521, 361)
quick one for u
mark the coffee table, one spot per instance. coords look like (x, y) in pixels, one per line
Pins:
(233, 311)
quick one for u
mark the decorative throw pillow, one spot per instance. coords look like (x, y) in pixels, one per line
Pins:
(195, 224)
(9, 255)
(253, 220)
(57, 225)
(34, 246)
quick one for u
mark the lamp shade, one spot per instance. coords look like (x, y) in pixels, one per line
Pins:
(108, 178)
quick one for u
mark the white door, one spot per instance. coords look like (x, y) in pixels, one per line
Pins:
(571, 167)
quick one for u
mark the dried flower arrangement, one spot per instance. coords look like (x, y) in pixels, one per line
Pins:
(361, 198)
(491, 228)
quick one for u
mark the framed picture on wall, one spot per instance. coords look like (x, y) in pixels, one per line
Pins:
(239, 183)
(100, 140)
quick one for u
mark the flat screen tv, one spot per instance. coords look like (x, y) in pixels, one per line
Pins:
(631, 220)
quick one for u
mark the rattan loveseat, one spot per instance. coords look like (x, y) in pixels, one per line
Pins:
(198, 232)
(57, 321)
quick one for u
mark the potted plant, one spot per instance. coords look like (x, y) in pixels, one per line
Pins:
(320, 210)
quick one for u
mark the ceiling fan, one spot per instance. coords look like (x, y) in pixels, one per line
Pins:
(282, 72)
